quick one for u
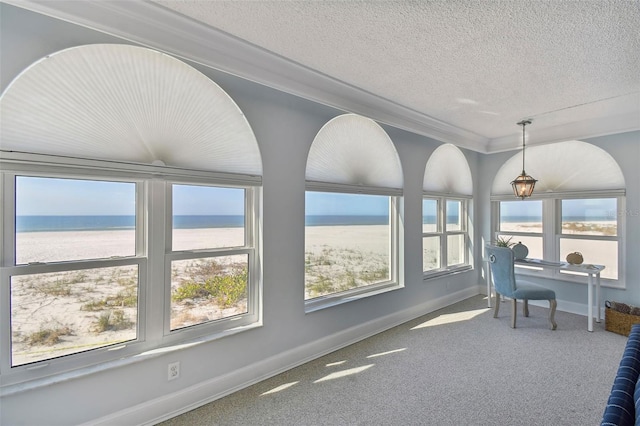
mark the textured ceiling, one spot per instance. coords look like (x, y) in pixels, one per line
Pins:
(462, 72)
(481, 66)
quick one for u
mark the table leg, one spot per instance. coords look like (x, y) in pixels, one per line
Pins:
(598, 297)
(488, 285)
(590, 303)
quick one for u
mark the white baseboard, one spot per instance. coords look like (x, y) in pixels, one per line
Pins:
(171, 405)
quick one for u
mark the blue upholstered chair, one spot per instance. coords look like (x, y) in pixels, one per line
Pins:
(504, 280)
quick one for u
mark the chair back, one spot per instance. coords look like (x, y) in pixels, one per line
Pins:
(501, 264)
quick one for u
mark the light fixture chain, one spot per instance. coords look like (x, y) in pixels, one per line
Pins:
(523, 125)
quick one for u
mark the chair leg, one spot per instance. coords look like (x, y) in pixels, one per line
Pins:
(552, 313)
(514, 306)
(495, 312)
(525, 307)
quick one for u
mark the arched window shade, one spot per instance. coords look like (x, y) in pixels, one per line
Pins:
(563, 167)
(447, 172)
(126, 103)
(353, 150)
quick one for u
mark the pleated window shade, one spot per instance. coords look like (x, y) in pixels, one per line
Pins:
(563, 167)
(126, 103)
(354, 151)
(447, 172)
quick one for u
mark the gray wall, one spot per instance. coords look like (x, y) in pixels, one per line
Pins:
(285, 127)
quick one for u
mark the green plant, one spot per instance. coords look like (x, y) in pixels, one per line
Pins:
(47, 336)
(503, 242)
(226, 289)
(102, 324)
(322, 286)
(375, 275)
(57, 288)
(350, 280)
(125, 298)
(190, 290)
(201, 270)
(77, 277)
(112, 320)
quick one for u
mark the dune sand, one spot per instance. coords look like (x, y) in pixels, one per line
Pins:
(58, 313)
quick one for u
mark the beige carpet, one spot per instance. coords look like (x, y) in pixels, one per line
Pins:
(455, 366)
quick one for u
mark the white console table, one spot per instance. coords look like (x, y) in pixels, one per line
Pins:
(593, 274)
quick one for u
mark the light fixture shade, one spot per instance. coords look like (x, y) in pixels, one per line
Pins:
(523, 185)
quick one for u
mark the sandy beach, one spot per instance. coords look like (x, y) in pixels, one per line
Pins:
(339, 258)
(60, 313)
(66, 312)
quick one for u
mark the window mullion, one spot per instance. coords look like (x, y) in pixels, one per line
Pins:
(442, 211)
(550, 220)
(156, 236)
(7, 214)
(620, 233)
(7, 258)
(5, 323)
(394, 214)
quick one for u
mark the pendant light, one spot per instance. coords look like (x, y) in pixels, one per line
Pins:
(523, 184)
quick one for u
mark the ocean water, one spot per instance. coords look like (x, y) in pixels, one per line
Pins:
(99, 223)
(335, 220)
(102, 223)
(73, 223)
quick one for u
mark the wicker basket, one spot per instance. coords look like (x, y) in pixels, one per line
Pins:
(619, 322)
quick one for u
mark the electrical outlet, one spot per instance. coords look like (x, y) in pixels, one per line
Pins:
(173, 371)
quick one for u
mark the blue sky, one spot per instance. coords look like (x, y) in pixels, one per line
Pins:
(327, 203)
(67, 197)
(207, 200)
(58, 197)
(47, 196)
(533, 208)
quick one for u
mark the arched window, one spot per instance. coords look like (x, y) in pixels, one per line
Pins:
(126, 103)
(354, 180)
(575, 205)
(447, 190)
(130, 181)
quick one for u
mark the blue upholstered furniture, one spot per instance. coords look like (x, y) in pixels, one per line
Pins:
(623, 407)
(504, 281)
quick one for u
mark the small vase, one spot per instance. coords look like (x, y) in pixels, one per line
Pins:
(520, 251)
(575, 258)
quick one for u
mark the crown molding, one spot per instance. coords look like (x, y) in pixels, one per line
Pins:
(154, 26)
(578, 130)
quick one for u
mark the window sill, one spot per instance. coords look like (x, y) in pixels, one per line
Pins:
(445, 272)
(338, 299)
(16, 388)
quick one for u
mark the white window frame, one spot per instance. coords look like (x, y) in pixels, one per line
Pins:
(248, 248)
(552, 234)
(153, 226)
(443, 234)
(395, 281)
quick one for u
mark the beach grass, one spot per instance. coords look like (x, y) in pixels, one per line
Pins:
(54, 314)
